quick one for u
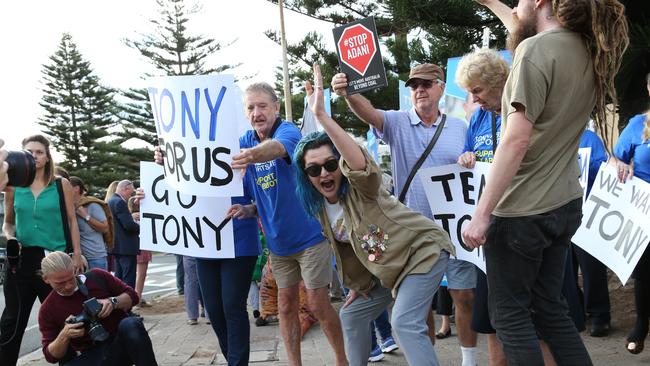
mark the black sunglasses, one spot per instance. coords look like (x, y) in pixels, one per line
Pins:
(315, 170)
(425, 83)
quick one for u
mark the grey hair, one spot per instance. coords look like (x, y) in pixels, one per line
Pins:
(123, 184)
(264, 88)
(55, 262)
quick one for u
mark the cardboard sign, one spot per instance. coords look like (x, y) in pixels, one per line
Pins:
(197, 120)
(615, 222)
(357, 44)
(453, 192)
(173, 222)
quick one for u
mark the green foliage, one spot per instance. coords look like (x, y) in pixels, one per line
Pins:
(413, 31)
(171, 49)
(79, 111)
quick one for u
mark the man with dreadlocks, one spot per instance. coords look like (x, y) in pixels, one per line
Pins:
(565, 56)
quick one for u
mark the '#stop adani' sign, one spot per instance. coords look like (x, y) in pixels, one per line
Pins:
(359, 56)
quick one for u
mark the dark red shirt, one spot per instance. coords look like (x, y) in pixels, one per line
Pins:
(56, 309)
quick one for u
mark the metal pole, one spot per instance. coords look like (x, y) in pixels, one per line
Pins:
(285, 66)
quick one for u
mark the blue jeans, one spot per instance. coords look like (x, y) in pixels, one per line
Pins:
(412, 306)
(98, 263)
(224, 284)
(192, 292)
(125, 266)
(131, 345)
(356, 318)
(382, 324)
(525, 258)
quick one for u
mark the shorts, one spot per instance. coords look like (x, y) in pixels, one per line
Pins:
(313, 265)
(461, 275)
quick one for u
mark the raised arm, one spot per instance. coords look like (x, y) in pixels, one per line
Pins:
(349, 149)
(359, 105)
(502, 11)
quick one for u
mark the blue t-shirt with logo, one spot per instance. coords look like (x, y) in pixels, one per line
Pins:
(287, 226)
(479, 135)
(631, 147)
(597, 156)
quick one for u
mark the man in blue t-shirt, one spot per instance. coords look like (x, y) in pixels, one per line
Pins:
(298, 249)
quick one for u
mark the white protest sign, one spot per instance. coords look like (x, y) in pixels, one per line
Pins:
(453, 192)
(197, 125)
(615, 222)
(178, 223)
(584, 156)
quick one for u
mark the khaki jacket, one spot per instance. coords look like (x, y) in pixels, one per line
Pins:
(413, 242)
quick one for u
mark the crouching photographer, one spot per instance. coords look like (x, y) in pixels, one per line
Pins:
(84, 320)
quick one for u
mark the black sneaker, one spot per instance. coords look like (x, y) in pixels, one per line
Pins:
(260, 322)
(256, 314)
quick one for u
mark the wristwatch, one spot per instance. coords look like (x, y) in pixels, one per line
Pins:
(87, 218)
(114, 301)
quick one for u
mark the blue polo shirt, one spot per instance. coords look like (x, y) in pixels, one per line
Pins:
(631, 148)
(287, 227)
(407, 138)
(479, 135)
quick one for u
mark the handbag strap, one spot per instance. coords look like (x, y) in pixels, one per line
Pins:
(494, 134)
(418, 164)
(64, 216)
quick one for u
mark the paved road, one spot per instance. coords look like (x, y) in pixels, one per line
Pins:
(161, 279)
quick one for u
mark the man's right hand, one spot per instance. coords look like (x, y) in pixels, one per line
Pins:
(340, 84)
(72, 330)
(158, 155)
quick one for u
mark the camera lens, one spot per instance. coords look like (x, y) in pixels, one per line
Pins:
(22, 168)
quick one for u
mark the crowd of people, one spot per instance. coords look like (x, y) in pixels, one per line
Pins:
(329, 201)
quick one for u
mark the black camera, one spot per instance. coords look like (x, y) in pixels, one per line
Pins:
(22, 168)
(88, 316)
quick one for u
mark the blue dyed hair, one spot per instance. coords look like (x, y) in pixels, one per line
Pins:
(311, 199)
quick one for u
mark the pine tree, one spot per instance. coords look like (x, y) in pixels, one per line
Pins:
(170, 48)
(172, 51)
(79, 111)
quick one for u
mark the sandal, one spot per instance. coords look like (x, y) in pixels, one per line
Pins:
(634, 347)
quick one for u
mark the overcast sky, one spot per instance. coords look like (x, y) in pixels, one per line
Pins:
(31, 32)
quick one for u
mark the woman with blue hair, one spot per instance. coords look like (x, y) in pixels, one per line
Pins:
(379, 243)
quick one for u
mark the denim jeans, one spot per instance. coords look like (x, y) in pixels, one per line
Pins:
(224, 284)
(131, 345)
(356, 319)
(382, 325)
(410, 311)
(525, 259)
(191, 288)
(98, 263)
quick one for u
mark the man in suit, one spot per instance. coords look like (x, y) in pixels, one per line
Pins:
(126, 243)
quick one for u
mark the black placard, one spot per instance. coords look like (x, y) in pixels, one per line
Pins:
(360, 59)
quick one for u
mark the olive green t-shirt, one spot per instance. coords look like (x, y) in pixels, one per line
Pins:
(552, 77)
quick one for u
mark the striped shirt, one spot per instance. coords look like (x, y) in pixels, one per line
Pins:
(407, 138)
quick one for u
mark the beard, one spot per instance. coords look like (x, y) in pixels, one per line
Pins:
(523, 29)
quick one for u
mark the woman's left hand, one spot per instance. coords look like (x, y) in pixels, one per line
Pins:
(315, 96)
(625, 171)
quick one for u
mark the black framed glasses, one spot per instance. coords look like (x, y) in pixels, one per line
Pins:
(315, 170)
